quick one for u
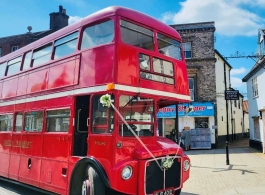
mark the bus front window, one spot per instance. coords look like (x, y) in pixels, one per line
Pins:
(139, 114)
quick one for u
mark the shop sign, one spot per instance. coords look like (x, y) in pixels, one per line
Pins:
(194, 109)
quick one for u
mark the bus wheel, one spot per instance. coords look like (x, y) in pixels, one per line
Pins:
(178, 192)
(93, 185)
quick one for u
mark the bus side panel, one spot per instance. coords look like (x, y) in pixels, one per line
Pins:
(22, 84)
(63, 74)
(5, 144)
(127, 66)
(15, 156)
(7, 90)
(97, 66)
(38, 80)
(29, 170)
(54, 175)
(30, 161)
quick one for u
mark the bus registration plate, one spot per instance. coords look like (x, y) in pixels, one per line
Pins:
(164, 192)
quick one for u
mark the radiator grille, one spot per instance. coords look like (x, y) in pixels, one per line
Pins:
(155, 179)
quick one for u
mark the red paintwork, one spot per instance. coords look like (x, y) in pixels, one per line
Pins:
(50, 152)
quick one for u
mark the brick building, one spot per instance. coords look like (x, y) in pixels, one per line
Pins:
(9, 44)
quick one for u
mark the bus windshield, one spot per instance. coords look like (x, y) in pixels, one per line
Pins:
(139, 114)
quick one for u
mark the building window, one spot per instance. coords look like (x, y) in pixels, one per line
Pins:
(235, 103)
(14, 48)
(256, 128)
(255, 87)
(187, 50)
(201, 122)
(238, 104)
(191, 88)
(0, 52)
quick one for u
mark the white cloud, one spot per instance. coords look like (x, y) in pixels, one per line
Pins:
(230, 19)
(74, 19)
(236, 82)
(236, 71)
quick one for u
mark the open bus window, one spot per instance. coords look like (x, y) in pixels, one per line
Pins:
(19, 120)
(136, 35)
(58, 120)
(144, 61)
(139, 114)
(6, 122)
(102, 117)
(42, 55)
(169, 47)
(98, 34)
(2, 69)
(65, 45)
(13, 66)
(33, 121)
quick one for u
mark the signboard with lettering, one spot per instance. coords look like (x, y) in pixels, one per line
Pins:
(194, 109)
(231, 95)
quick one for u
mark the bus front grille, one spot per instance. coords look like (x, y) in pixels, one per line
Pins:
(156, 179)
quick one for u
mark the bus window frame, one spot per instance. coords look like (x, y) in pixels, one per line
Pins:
(15, 121)
(24, 122)
(81, 32)
(23, 60)
(119, 19)
(63, 36)
(46, 117)
(8, 113)
(4, 64)
(38, 49)
(91, 117)
(152, 124)
(8, 65)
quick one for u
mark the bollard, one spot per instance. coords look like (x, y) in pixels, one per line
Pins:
(227, 155)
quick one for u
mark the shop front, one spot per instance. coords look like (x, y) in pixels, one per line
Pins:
(197, 117)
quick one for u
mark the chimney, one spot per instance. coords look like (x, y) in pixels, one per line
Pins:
(59, 19)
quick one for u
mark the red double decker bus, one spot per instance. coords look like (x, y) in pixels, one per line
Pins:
(57, 136)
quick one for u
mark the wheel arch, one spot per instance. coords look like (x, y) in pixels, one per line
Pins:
(78, 174)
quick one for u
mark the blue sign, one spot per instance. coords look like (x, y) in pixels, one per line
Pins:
(193, 109)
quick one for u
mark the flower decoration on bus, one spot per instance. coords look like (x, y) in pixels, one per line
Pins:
(167, 162)
(105, 100)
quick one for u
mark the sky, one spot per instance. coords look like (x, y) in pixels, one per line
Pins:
(237, 21)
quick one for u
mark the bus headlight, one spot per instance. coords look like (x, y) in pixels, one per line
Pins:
(126, 172)
(186, 165)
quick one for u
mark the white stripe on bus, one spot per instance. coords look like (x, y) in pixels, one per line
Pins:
(94, 89)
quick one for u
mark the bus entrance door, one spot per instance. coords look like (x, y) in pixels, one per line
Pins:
(81, 125)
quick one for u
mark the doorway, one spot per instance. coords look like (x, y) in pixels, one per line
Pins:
(81, 125)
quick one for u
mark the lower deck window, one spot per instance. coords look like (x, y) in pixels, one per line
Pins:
(6, 122)
(34, 121)
(58, 120)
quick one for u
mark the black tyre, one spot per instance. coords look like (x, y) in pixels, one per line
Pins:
(93, 184)
(178, 192)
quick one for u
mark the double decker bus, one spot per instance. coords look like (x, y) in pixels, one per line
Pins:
(56, 135)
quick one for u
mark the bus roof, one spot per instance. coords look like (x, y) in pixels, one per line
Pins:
(107, 12)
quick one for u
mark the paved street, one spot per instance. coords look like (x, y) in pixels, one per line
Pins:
(211, 176)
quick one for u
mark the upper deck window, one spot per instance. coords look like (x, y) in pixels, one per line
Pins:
(169, 47)
(27, 60)
(13, 66)
(2, 69)
(42, 55)
(136, 35)
(65, 45)
(98, 34)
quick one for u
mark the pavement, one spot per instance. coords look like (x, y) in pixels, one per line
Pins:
(210, 174)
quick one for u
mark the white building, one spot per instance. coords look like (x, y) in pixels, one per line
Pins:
(256, 99)
(230, 118)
